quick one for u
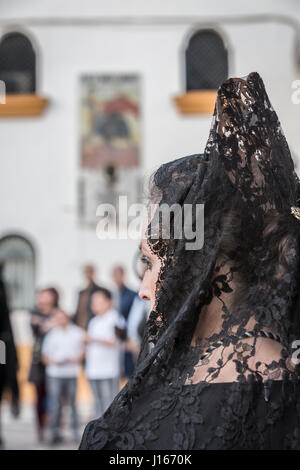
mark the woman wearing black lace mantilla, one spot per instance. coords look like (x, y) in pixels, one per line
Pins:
(222, 371)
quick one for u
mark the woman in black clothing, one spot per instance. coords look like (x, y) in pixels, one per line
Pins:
(223, 370)
(9, 363)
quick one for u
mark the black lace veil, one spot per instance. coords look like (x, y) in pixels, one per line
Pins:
(233, 272)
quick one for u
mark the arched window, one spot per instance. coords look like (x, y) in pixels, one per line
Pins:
(206, 61)
(17, 64)
(18, 265)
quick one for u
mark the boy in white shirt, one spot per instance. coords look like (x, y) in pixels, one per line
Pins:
(62, 352)
(102, 366)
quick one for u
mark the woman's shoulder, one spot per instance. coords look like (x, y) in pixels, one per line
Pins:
(84, 443)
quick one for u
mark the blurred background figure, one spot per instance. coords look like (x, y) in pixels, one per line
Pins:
(123, 300)
(8, 371)
(83, 311)
(136, 323)
(103, 351)
(41, 322)
(62, 352)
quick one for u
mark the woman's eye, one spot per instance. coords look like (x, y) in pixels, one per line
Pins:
(146, 261)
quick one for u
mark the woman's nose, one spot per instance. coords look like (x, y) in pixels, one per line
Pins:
(144, 292)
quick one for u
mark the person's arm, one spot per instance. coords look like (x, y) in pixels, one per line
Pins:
(46, 349)
(47, 325)
(107, 342)
(89, 338)
(48, 361)
(76, 359)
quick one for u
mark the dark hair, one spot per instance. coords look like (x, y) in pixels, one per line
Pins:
(106, 292)
(55, 294)
(275, 233)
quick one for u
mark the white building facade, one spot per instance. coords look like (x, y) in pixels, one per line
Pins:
(40, 155)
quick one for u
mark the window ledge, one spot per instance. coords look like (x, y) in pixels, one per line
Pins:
(196, 102)
(23, 105)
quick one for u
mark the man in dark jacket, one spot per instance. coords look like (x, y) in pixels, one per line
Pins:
(125, 298)
(83, 311)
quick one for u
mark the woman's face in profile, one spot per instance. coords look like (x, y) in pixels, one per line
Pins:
(151, 267)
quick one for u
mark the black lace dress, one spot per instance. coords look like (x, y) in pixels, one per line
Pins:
(223, 417)
(249, 415)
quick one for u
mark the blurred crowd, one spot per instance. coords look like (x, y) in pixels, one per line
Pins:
(102, 339)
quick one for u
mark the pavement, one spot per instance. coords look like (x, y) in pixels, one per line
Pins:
(20, 433)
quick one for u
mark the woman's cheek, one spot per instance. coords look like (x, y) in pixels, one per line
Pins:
(155, 275)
